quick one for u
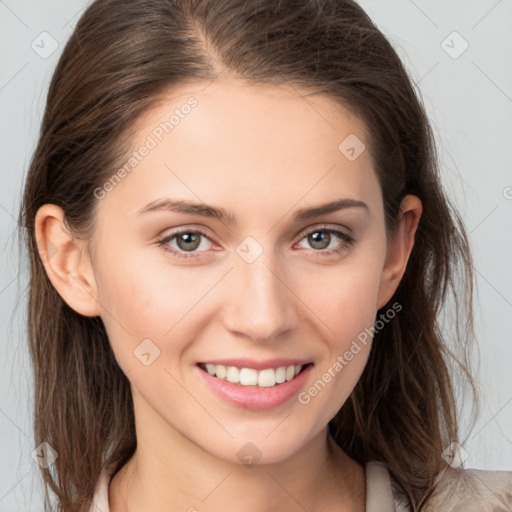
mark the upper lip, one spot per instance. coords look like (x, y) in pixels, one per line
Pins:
(258, 365)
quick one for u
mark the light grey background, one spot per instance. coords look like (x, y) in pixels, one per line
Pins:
(469, 99)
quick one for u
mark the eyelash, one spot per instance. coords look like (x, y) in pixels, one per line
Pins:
(349, 241)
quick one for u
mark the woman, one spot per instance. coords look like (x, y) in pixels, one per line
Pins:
(291, 357)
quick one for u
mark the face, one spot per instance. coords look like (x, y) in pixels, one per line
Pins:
(258, 286)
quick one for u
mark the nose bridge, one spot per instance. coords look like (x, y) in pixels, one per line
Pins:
(261, 303)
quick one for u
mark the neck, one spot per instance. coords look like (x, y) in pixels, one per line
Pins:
(179, 475)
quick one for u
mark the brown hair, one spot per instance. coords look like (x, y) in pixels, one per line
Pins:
(122, 57)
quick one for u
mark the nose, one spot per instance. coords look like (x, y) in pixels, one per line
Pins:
(260, 304)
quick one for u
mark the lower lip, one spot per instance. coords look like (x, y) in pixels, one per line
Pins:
(254, 397)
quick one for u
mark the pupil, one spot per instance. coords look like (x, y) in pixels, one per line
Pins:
(317, 239)
(188, 239)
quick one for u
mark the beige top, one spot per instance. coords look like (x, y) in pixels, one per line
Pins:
(464, 490)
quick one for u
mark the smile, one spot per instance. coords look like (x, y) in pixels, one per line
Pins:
(264, 378)
(239, 383)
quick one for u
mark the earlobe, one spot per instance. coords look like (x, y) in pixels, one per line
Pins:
(66, 261)
(399, 248)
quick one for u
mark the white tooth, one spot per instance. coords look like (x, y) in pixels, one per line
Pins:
(298, 368)
(220, 371)
(210, 368)
(267, 378)
(233, 374)
(248, 377)
(281, 374)
(290, 372)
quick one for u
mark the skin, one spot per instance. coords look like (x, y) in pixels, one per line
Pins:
(260, 152)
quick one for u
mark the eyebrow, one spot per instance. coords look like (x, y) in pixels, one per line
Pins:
(205, 210)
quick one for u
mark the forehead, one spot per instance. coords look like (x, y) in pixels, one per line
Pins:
(241, 111)
(245, 144)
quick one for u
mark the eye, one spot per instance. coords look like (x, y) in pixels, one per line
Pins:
(187, 240)
(321, 238)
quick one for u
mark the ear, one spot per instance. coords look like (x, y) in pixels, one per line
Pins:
(66, 261)
(399, 248)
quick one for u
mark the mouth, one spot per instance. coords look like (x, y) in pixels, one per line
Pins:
(252, 377)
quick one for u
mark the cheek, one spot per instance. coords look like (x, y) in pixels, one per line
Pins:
(344, 297)
(151, 300)
(347, 320)
(135, 305)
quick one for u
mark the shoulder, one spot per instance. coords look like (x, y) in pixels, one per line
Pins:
(463, 490)
(472, 490)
